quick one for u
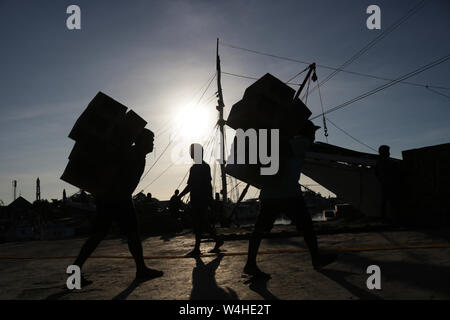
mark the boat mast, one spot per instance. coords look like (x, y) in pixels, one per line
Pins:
(221, 123)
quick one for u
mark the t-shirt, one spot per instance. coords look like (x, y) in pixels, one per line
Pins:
(290, 170)
(199, 183)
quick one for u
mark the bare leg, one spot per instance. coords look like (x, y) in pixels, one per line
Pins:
(303, 222)
(253, 247)
(135, 247)
(264, 223)
(89, 246)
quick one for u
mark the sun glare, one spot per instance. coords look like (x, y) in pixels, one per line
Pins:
(193, 124)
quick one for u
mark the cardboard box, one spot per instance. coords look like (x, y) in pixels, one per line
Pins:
(267, 104)
(99, 120)
(103, 134)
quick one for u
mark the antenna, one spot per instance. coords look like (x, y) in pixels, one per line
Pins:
(14, 183)
(38, 190)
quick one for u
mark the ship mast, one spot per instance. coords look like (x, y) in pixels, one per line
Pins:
(221, 123)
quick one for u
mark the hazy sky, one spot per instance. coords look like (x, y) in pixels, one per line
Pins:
(155, 56)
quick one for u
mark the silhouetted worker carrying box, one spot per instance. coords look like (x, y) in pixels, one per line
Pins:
(102, 133)
(105, 162)
(267, 104)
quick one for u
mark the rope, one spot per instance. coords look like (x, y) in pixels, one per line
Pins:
(164, 128)
(325, 129)
(178, 131)
(320, 66)
(437, 92)
(348, 134)
(383, 34)
(297, 75)
(387, 85)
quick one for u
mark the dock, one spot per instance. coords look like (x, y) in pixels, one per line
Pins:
(414, 264)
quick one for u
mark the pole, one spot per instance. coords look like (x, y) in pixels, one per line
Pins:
(312, 67)
(221, 124)
(15, 188)
(38, 190)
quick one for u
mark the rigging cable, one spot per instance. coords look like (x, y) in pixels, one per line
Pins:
(325, 129)
(320, 66)
(349, 135)
(171, 140)
(437, 92)
(170, 166)
(387, 85)
(386, 32)
(374, 77)
(165, 127)
(292, 78)
(187, 172)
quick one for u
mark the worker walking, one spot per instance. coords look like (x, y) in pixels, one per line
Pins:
(286, 196)
(200, 189)
(115, 203)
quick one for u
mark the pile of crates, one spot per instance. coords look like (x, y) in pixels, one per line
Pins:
(267, 104)
(427, 175)
(103, 130)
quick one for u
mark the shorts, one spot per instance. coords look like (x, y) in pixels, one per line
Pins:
(122, 212)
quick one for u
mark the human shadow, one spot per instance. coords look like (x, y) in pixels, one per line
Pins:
(167, 236)
(340, 277)
(259, 285)
(66, 291)
(58, 295)
(204, 285)
(133, 285)
(425, 275)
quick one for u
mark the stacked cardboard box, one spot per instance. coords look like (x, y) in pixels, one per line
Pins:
(102, 132)
(428, 179)
(267, 104)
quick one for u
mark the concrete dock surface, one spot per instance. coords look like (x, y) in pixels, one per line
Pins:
(414, 264)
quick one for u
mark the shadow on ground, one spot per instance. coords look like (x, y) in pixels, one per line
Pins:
(204, 285)
(259, 285)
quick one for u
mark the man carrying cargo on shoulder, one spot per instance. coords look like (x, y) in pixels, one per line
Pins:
(285, 196)
(199, 186)
(114, 202)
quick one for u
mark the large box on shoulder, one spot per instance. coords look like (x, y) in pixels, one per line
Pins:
(103, 131)
(99, 121)
(268, 103)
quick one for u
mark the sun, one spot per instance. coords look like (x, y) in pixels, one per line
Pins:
(193, 124)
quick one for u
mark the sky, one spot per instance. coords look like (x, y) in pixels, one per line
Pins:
(156, 57)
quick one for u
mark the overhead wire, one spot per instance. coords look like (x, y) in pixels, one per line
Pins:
(318, 65)
(164, 127)
(387, 85)
(382, 35)
(437, 92)
(351, 136)
(171, 140)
